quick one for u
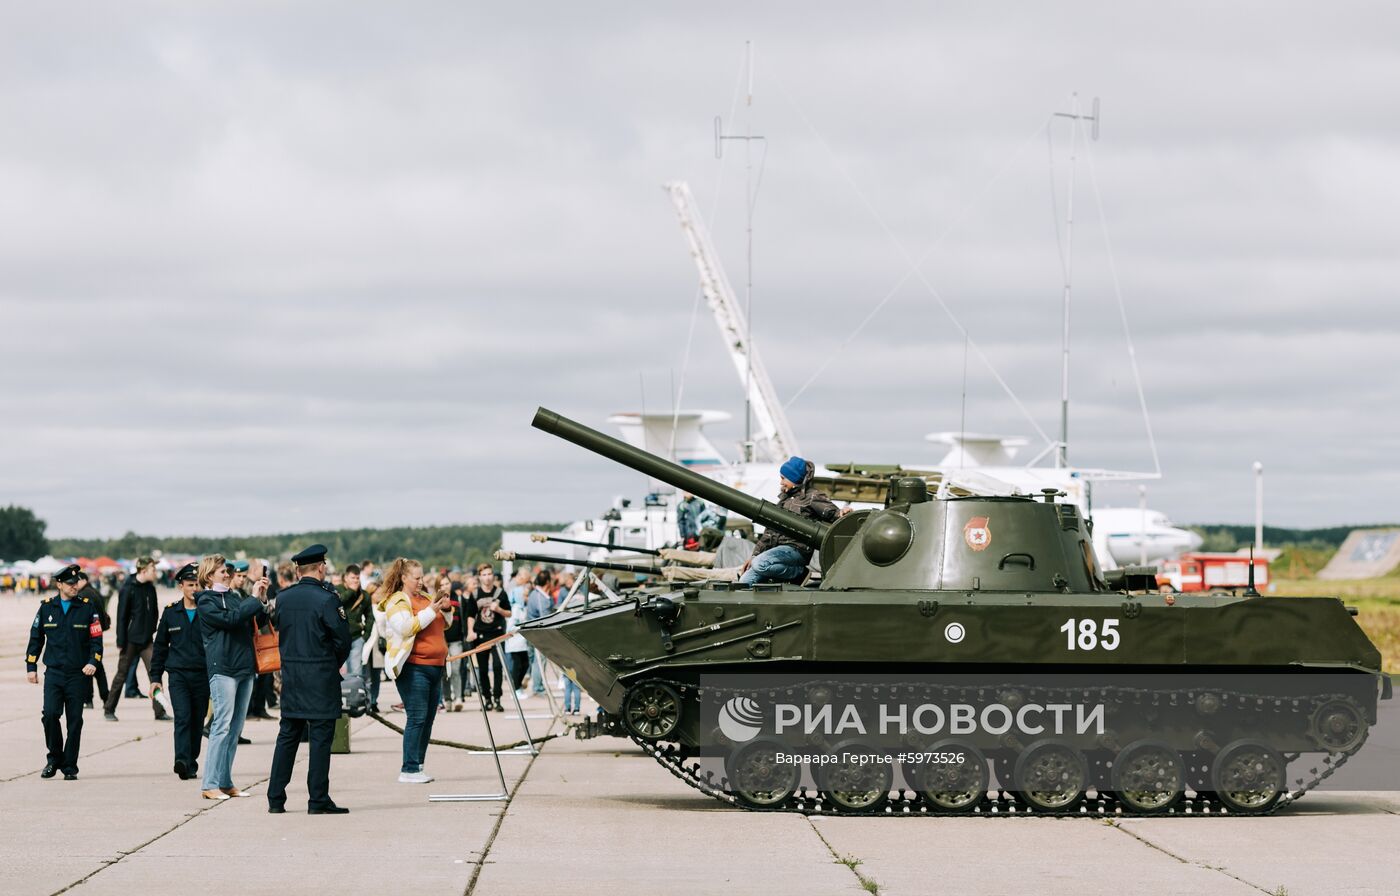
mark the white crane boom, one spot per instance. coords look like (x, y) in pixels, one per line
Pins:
(773, 439)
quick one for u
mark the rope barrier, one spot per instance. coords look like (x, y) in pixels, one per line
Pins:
(484, 645)
(458, 745)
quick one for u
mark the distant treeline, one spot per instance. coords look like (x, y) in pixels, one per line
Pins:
(433, 545)
(462, 545)
(1229, 538)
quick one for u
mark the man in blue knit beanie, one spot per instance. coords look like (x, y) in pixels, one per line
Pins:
(778, 557)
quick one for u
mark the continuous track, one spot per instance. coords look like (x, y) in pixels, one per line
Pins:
(683, 763)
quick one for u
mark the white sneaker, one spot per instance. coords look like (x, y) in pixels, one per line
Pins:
(522, 694)
(414, 778)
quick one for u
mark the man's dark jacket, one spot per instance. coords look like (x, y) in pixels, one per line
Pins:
(313, 639)
(137, 613)
(358, 613)
(806, 501)
(179, 644)
(227, 617)
(67, 641)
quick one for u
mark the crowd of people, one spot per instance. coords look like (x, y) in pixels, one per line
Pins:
(409, 625)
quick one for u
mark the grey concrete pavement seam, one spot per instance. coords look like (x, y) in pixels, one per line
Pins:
(124, 853)
(1219, 869)
(851, 862)
(184, 821)
(501, 817)
(137, 739)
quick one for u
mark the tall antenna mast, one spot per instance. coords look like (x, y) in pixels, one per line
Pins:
(748, 137)
(773, 438)
(1062, 455)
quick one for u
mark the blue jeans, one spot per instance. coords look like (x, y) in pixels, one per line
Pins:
(133, 687)
(230, 697)
(420, 689)
(352, 662)
(780, 564)
(452, 674)
(572, 694)
(372, 676)
(537, 669)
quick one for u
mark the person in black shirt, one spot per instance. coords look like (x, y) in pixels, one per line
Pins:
(454, 633)
(137, 614)
(485, 611)
(179, 649)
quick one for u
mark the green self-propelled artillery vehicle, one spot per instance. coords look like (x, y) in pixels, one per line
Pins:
(1201, 703)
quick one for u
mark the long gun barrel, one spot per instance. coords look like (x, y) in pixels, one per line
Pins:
(542, 537)
(809, 532)
(543, 558)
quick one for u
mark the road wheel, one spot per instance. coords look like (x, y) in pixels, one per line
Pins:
(1149, 778)
(756, 777)
(855, 786)
(1051, 776)
(1248, 777)
(957, 785)
(652, 710)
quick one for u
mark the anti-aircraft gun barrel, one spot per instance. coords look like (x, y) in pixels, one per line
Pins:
(766, 513)
(542, 537)
(512, 556)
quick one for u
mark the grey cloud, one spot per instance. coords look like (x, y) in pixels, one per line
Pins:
(315, 265)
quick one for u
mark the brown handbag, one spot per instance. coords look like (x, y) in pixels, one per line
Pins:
(266, 654)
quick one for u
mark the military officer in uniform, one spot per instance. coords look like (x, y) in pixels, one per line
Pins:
(179, 650)
(67, 630)
(314, 640)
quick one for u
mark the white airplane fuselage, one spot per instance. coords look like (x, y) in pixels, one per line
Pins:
(1130, 534)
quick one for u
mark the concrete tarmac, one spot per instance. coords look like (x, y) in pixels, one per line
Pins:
(593, 816)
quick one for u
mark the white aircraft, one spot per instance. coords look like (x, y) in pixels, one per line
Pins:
(1132, 535)
(629, 530)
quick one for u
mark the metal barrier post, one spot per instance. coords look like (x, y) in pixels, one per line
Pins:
(519, 710)
(504, 793)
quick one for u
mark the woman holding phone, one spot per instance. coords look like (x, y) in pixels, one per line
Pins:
(414, 624)
(228, 619)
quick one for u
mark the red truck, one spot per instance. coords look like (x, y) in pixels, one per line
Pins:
(1212, 572)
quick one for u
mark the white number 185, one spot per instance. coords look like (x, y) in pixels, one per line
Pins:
(1086, 634)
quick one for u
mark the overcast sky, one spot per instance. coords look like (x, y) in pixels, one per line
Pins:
(275, 266)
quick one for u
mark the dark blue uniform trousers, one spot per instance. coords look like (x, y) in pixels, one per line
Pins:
(318, 766)
(189, 697)
(64, 693)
